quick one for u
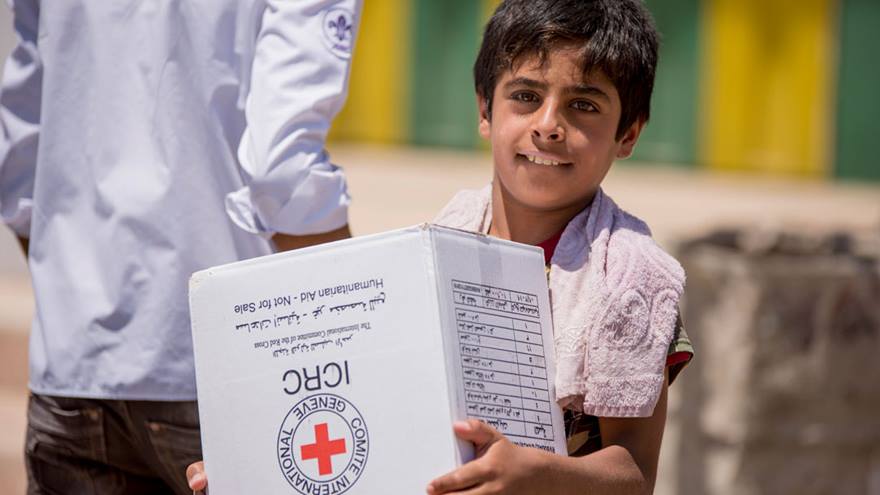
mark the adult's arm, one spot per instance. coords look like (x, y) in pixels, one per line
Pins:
(297, 85)
(284, 242)
(20, 94)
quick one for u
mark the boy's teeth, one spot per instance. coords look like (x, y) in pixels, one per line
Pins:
(541, 161)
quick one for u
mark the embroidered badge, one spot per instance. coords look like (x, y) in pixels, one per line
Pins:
(339, 31)
(323, 445)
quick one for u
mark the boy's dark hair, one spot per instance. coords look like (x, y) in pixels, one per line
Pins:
(618, 36)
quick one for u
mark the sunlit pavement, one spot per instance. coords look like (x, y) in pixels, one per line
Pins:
(394, 187)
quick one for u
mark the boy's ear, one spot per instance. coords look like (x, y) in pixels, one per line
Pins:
(485, 122)
(628, 141)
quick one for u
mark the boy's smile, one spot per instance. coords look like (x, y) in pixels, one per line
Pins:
(553, 134)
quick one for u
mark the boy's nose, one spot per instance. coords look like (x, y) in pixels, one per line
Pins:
(553, 134)
(547, 126)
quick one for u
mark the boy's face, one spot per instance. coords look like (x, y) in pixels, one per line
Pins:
(553, 131)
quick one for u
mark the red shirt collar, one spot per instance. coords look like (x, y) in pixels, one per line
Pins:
(549, 246)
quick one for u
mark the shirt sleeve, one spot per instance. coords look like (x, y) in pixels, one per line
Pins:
(680, 352)
(20, 92)
(298, 83)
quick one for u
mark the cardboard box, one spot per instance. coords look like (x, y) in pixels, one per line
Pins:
(340, 368)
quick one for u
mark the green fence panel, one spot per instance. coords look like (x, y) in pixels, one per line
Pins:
(446, 36)
(858, 103)
(670, 136)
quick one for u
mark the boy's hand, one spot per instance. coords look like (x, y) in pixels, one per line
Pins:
(500, 467)
(195, 476)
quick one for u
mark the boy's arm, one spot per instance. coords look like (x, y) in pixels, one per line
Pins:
(635, 443)
(627, 463)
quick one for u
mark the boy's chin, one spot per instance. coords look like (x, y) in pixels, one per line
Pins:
(540, 195)
(547, 202)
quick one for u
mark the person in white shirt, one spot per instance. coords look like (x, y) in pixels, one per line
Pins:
(143, 141)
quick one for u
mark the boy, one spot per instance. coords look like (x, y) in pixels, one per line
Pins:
(563, 88)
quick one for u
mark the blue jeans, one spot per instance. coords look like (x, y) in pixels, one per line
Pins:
(88, 446)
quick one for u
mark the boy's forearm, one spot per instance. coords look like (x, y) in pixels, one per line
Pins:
(611, 470)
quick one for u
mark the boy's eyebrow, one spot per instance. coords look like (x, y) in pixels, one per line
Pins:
(525, 81)
(580, 89)
(586, 89)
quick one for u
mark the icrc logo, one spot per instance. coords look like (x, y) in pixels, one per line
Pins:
(323, 445)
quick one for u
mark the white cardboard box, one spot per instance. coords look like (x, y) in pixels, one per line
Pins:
(340, 368)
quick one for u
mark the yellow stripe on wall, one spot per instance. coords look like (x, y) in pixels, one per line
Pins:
(766, 85)
(489, 7)
(379, 98)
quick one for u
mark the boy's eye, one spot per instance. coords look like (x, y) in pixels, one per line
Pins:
(525, 97)
(584, 106)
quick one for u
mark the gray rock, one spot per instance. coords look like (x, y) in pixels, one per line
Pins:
(783, 396)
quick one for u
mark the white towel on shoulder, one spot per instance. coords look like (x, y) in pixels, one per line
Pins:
(614, 294)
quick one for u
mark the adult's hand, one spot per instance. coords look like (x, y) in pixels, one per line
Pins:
(285, 242)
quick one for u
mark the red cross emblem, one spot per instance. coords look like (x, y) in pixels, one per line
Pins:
(323, 449)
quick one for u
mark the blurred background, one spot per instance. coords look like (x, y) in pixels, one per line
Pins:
(758, 171)
(770, 86)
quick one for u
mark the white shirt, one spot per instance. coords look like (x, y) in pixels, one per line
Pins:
(143, 141)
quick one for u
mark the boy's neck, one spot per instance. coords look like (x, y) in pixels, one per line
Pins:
(516, 222)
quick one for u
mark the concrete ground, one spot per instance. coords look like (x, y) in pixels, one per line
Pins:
(394, 187)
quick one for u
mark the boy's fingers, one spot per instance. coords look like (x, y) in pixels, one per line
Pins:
(467, 476)
(195, 476)
(477, 432)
